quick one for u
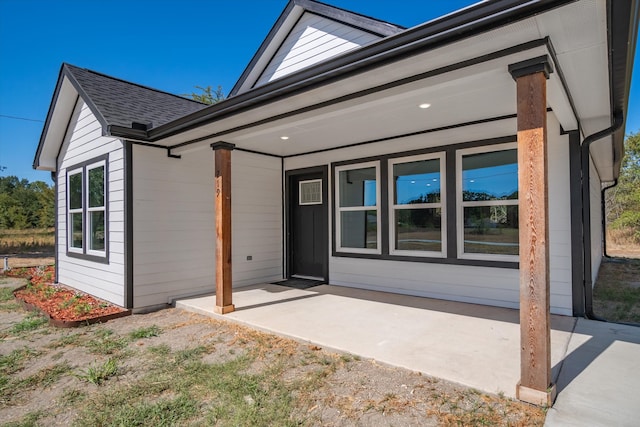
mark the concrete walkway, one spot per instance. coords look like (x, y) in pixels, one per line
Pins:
(596, 366)
(599, 383)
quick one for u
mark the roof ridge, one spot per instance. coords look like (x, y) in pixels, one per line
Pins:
(66, 64)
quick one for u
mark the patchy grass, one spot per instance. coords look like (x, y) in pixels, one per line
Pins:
(32, 322)
(149, 332)
(616, 296)
(72, 339)
(7, 301)
(175, 368)
(98, 374)
(28, 420)
(72, 396)
(14, 361)
(6, 294)
(233, 396)
(11, 388)
(106, 343)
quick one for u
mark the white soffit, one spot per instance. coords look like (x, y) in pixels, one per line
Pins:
(62, 111)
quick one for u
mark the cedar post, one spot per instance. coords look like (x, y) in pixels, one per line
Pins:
(222, 155)
(535, 332)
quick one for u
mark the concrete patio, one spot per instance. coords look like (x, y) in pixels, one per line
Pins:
(596, 365)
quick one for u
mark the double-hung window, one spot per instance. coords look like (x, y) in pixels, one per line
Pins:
(416, 193)
(358, 208)
(76, 211)
(87, 209)
(487, 203)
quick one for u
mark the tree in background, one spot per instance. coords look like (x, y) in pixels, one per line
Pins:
(207, 95)
(24, 204)
(623, 200)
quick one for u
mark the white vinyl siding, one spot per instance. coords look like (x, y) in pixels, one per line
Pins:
(312, 40)
(256, 222)
(85, 142)
(174, 223)
(595, 190)
(482, 285)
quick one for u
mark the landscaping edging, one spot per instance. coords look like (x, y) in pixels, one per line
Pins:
(67, 323)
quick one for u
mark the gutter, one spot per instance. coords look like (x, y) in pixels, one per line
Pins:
(618, 121)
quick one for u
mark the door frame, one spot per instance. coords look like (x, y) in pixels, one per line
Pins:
(324, 171)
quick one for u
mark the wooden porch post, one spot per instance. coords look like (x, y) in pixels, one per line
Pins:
(535, 332)
(222, 155)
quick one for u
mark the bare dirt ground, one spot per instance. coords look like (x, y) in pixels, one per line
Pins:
(171, 367)
(27, 259)
(624, 251)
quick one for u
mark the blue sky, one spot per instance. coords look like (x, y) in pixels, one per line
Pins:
(169, 45)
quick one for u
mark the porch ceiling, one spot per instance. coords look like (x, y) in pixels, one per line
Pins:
(464, 81)
(482, 91)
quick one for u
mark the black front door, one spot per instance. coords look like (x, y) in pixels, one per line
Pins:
(308, 234)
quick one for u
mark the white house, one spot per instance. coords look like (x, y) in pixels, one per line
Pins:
(461, 159)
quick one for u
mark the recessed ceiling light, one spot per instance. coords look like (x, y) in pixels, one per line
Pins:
(472, 180)
(284, 138)
(423, 106)
(413, 182)
(435, 179)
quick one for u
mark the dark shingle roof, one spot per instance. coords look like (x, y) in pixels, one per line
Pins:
(120, 103)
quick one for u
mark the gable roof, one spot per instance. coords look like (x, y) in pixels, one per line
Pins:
(290, 18)
(243, 111)
(116, 103)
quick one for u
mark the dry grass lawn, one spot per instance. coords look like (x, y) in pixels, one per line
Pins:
(177, 368)
(616, 296)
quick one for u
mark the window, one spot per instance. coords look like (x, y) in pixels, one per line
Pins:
(86, 198)
(416, 192)
(95, 209)
(488, 203)
(358, 208)
(75, 211)
(310, 192)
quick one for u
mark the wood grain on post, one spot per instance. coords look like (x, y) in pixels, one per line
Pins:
(535, 338)
(223, 228)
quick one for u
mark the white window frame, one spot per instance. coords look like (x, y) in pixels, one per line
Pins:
(338, 210)
(308, 181)
(442, 205)
(460, 205)
(89, 209)
(70, 248)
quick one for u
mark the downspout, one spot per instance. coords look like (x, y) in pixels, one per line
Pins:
(618, 120)
(604, 217)
(55, 224)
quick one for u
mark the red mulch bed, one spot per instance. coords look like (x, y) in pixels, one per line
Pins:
(58, 302)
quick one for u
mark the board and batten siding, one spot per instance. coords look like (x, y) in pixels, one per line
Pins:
(595, 199)
(482, 285)
(174, 223)
(84, 141)
(313, 39)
